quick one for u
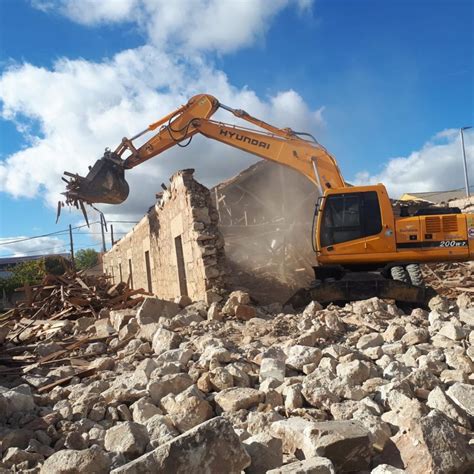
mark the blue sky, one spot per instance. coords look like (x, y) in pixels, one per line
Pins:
(383, 84)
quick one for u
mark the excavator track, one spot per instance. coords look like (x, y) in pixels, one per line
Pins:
(356, 286)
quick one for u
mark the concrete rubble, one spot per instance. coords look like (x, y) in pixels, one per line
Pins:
(194, 387)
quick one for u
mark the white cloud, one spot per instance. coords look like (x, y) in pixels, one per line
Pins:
(190, 25)
(437, 166)
(38, 246)
(90, 12)
(82, 107)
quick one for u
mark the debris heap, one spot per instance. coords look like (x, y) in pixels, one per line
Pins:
(184, 387)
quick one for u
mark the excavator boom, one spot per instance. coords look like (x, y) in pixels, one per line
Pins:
(106, 183)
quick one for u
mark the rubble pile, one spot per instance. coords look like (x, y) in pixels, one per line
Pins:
(186, 387)
(450, 279)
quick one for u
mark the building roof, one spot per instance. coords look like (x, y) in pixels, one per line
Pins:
(8, 261)
(436, 197)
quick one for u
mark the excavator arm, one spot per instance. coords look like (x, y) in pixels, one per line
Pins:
(106, 183)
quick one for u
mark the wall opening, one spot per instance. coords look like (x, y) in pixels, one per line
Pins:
(130, 274)
(148, 271)
(183, 287)
(120, 271)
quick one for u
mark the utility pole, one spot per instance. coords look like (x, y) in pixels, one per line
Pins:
(112, 234)
(102, 223)
(72, 248)
(466, 177)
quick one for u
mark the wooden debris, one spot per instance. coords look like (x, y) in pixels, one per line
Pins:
(450, 279)
(71, 296)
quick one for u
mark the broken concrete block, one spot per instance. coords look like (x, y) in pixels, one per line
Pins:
(18, 399)
(179, 356)
(299, 356)
(127, 437)
(373, 339)
(432, 444)
(164, 340)
(316, 465)
(220, 379)
(128, 330)
(386, 469)
(209, 448)
(103, 328)
(160, 430)
(183, 301)
(439, 303)
(312, 309)
(452, 331)
(265, 453)
(233, 399)
(152, 309)
(437, 399)
(463, 395)
(142, 410)
(272, 368)
(345, 443)
(15, 456)
(172, 383)
(235, 298)
(68, 461)
(214, 312)
(415, 336)
(120, 317)
(244, 312)
(354, 373)
(187, 409)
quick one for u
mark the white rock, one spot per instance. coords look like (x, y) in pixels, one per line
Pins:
(67, 461)
(265, 453)
(152, 309)
(234, 399)
(165, 340)
(298, 356)
(272, 368)
(126, 437)
(211, 447)
(370, 340)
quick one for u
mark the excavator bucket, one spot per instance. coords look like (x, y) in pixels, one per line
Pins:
(105, 183)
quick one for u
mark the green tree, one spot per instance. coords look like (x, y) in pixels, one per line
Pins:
(56, 264)
(86, 258)
(31, 272)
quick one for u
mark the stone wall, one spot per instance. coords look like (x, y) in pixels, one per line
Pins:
(180, 239)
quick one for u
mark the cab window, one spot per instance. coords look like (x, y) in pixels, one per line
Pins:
(349, 217)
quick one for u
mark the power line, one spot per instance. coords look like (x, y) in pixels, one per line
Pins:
(58, 232)
(123, 222)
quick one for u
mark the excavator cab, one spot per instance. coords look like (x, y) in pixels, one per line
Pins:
(354, 224)
(105, 182)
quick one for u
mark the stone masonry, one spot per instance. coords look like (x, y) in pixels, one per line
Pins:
(176, 249)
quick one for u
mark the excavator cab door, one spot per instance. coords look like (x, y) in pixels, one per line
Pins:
(354, 223)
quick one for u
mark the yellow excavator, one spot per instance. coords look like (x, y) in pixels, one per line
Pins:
(362, 248)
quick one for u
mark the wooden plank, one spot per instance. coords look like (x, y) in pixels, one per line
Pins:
(79, 280)
(82, 373)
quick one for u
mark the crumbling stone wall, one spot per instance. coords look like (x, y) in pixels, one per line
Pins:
(180, 239)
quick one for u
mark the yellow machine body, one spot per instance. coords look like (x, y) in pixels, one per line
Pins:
(384, 239)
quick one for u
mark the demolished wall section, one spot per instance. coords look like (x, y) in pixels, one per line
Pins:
(180, 240)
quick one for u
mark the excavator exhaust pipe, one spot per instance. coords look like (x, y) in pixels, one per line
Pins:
(105, 183)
